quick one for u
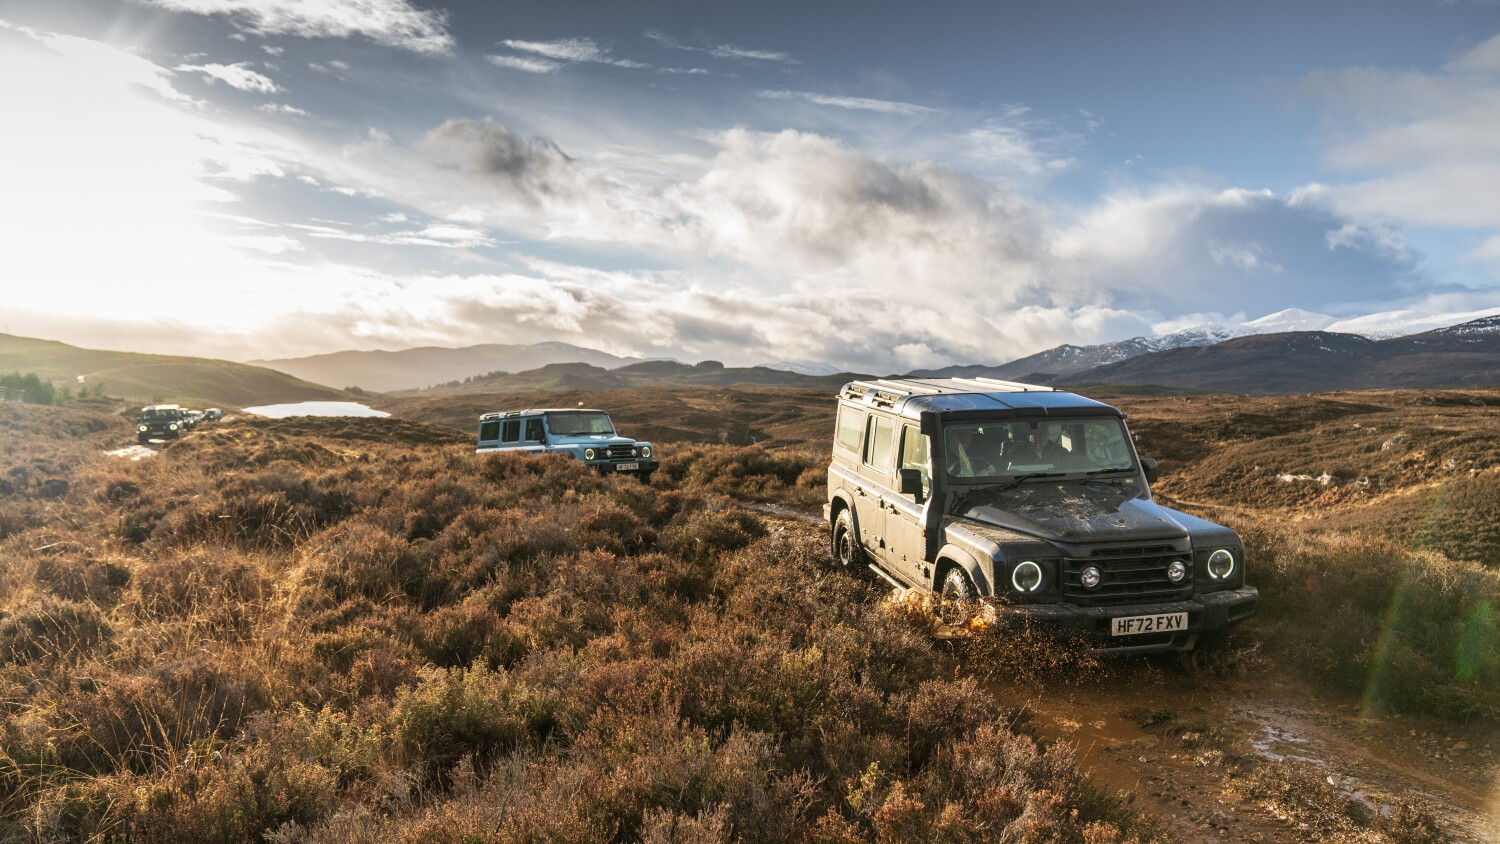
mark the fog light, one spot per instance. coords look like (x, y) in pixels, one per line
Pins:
(588, 454)
(1026, 577)
(1177, 571)
(1090, 577)
(1220, 564)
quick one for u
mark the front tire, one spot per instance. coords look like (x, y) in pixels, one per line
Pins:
(960, 598)
(847, 551)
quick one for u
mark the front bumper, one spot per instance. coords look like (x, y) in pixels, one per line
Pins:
(1206, 613)
(639, 466)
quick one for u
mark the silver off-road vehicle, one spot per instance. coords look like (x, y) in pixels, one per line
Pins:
(585, 435)
(1031, 501)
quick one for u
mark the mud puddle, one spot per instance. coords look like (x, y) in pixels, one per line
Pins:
(133, 452)
(782, 511)
(1225, 759)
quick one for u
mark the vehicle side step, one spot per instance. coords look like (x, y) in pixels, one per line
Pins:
(888, 579)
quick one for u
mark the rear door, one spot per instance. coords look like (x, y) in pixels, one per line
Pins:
(876, 483)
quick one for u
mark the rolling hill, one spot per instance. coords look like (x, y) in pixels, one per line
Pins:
(143, 378)
(658, 373)
(411, 369)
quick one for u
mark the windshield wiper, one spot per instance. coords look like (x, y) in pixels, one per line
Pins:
(1020, 479)
(1089, 476)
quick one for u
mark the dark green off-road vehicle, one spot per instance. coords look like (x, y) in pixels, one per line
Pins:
(160, 422)
(1029, 500)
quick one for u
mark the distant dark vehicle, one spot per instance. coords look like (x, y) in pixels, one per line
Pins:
(586, 435)
(1031, 501)
(213, 414)
(160, 421)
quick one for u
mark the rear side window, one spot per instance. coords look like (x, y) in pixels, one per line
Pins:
(512, 431)
(534, 429)
(489, 430)
(878, 444)
(851, 426)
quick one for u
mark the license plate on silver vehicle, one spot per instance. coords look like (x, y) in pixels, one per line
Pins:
(627, 467)
(1169, 622)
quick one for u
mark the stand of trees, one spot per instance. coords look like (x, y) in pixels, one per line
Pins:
(32, 389)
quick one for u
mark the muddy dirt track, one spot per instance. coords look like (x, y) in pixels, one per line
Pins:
(1232, 749)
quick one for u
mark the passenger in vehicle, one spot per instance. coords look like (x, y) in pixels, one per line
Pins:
(972, 452)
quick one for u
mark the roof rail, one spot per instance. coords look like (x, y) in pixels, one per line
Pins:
(1008, 386)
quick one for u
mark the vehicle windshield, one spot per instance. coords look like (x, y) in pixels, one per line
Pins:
(1015, 447)
(159, 414)
(579, 423)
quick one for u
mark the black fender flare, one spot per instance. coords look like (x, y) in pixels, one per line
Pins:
(953, 555)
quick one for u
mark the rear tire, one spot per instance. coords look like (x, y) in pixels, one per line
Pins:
(847, 551)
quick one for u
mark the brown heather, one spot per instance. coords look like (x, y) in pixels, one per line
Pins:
(360, 631)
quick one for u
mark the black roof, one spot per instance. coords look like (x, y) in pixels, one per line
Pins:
(912, 397)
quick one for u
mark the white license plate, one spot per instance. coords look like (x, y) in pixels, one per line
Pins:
(627, 467)
(1169, 622)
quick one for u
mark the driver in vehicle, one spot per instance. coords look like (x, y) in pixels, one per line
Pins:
(1041, 445)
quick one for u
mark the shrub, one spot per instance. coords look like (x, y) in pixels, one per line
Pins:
(1408, 629)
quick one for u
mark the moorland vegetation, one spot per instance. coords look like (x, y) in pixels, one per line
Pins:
(362, 636)
(357, 630)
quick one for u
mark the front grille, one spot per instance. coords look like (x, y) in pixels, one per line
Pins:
(619, 452)
(1131, 576)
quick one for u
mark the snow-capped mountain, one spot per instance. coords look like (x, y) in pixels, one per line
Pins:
(1484, 326)
(1404, 323)
(1291, 319)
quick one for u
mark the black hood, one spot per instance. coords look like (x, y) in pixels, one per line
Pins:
(1071, 512)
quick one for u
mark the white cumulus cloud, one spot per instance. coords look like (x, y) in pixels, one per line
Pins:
(238, 76)
(395, 23)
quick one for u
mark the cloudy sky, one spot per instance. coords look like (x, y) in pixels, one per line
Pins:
(868, 184)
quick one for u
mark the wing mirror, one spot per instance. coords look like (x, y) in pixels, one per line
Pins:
(1148, 465)
(911, 482)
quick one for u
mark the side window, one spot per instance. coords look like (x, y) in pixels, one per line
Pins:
(512, 431)
(914, 456)
(534, 429)
(850, 428)
(489, 430)
(878, 444)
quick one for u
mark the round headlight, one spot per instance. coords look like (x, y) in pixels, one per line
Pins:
(143, 428)
(1220, 564)
(588, 454)
(1090, 577)
(1177, 571)
(173, 426)
(645, 451)
(1026, 577)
